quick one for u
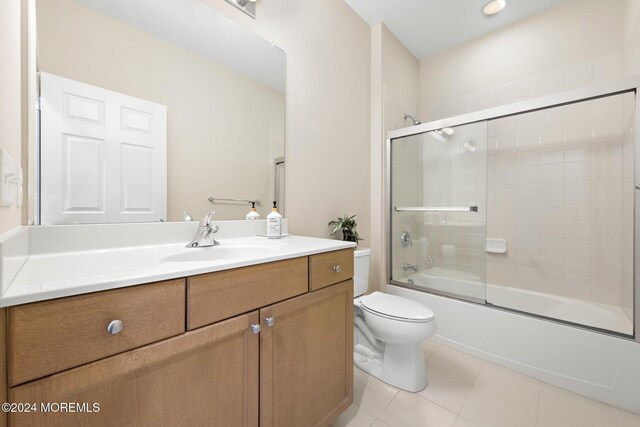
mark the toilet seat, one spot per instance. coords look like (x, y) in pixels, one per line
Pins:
(395, 307)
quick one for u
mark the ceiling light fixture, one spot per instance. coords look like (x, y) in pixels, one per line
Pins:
(494, 7)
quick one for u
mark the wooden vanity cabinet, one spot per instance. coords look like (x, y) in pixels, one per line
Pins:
(223, 294)
(329, 268)
(207, 377)
(51, 336)
(306, 358)
(285, 362)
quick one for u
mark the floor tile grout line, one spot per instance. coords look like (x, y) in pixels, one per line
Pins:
(538, 405)
(437, 404)
(387, 405)
(615, 411)
(467, 397)
(366, 411)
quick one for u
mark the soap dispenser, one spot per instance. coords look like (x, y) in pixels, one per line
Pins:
(252, 213)
(274, 222)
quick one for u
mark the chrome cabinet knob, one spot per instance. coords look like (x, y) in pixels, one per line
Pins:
(255, 329)
(270, 321)
(337, 268)
(115, 327)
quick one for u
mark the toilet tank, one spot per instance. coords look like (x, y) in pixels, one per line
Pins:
(361, 271)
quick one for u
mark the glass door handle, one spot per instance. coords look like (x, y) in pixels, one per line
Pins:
(436, 209)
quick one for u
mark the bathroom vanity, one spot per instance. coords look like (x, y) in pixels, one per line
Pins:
(265, 343)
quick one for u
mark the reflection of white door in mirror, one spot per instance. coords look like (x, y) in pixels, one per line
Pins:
(104, 155)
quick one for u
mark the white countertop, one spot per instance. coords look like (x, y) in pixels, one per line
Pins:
(59, 274)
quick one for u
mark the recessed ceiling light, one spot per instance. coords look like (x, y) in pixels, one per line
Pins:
(494, 7)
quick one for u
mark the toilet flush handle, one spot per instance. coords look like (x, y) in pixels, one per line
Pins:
(337, 268)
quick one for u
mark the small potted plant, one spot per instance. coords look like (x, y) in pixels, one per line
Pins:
(346, 224)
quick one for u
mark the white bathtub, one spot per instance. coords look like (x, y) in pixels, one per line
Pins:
(587, 313)
(598, 365)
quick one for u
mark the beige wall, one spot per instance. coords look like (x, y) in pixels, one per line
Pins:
(223, 128)
(10, 96)
(394, 92)
(327, 108)
(327, 103)
(569, 45)
(394, 81)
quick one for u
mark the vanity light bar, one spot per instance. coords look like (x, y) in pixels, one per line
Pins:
(437, 209)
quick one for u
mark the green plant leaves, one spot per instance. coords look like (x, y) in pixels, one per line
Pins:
(347, 224)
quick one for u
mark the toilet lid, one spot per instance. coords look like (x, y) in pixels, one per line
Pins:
(395, 306)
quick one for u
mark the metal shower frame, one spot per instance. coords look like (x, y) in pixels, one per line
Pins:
(570, 96)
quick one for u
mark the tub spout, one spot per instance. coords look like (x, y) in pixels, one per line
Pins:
(406, 267)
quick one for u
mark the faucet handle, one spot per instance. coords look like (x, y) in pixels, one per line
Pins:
(206, 221)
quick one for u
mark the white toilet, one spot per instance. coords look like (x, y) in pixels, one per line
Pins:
(389, 331)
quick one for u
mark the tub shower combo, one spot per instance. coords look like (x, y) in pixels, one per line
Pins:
(528, 207)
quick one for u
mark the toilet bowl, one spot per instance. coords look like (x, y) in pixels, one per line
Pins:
(389, 331)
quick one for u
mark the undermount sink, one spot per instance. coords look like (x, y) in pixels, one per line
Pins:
(222, 252)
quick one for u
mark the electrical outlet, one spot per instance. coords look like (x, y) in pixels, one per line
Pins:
(7, 179)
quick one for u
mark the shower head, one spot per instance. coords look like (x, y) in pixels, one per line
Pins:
(408, 116)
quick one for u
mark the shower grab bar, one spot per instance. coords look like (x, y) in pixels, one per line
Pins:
(213, 199)
(437, 209)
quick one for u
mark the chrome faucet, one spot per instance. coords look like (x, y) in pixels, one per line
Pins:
(204, 235)
(405, 239)
(410, 267)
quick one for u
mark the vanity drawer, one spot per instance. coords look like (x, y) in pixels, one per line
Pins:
(51, 336)
(330, 268)
(216, 296)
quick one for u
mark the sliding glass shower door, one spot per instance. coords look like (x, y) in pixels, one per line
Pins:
(561, 192)
(532, 209)
(438, 211)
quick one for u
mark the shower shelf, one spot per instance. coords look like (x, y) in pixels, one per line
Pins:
(436, 209)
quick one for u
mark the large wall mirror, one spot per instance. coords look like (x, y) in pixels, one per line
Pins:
(153, 108)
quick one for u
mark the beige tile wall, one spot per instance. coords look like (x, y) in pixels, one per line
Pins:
(438, 171)
(559, 182)
(464, 233)
(407, 190)
(601, 68)
(560, 191)
(573, 44)
(631, 53)
(631, 67)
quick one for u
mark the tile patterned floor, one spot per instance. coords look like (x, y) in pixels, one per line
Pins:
(465, 391)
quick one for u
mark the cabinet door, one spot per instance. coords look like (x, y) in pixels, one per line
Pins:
(306, 358)
(207, 377)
